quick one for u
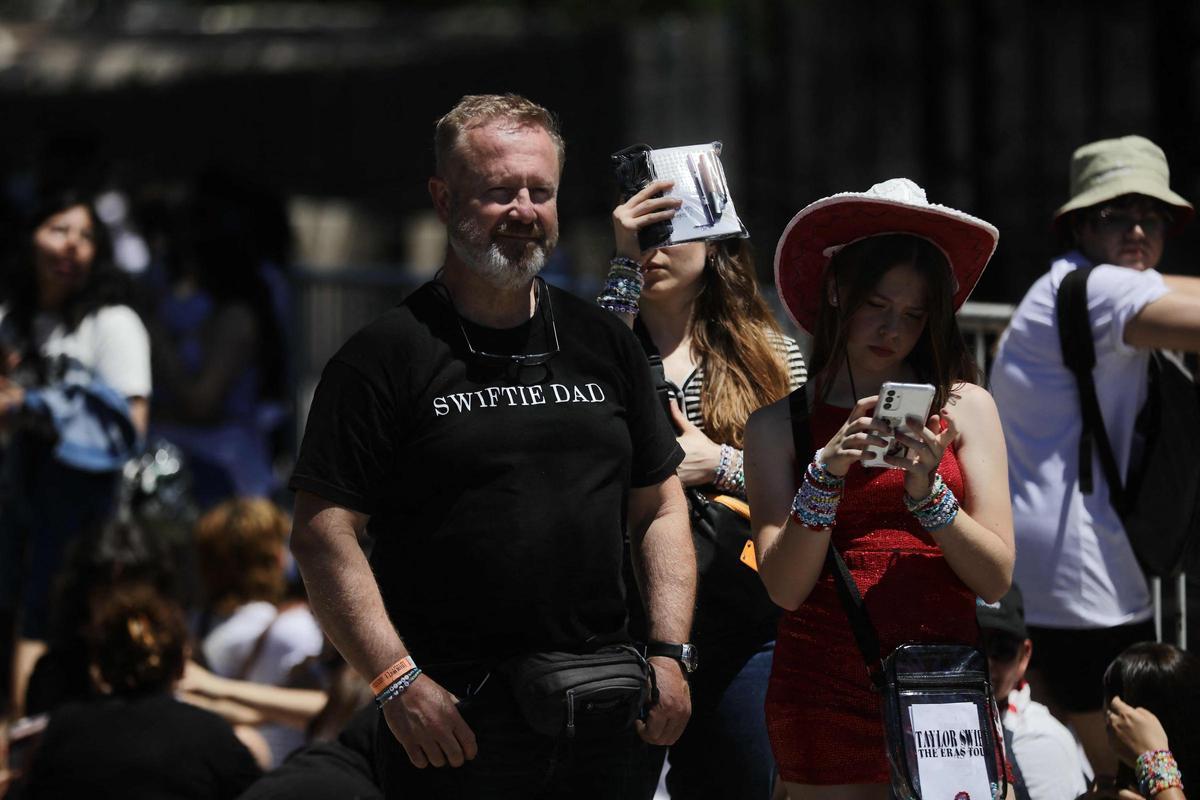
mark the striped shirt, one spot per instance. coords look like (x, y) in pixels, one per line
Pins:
(785, 345)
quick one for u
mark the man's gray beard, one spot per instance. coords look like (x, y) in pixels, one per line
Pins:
(486, 259)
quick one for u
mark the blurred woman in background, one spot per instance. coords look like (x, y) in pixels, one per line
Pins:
(74, 386)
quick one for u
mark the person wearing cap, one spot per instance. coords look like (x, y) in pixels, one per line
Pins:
(1086, 599)
(875, 277)
(1043, 753)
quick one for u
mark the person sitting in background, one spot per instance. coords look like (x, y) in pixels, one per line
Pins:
(1044, 754)
(121, 551)
(137, 741)
(247, 631)
(1152, 701)
(74, 385)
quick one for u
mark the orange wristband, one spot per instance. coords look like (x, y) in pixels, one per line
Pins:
(390, 674)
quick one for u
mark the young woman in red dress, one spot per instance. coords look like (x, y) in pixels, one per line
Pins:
(876, 278)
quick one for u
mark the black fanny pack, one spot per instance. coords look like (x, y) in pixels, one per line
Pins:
(581, 695)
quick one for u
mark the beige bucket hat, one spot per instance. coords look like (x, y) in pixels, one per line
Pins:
(1109, 168)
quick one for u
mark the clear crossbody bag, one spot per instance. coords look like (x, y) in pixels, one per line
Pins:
(940, 719)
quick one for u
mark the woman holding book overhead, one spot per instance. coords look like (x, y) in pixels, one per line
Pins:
(697, 307)
(876, 278)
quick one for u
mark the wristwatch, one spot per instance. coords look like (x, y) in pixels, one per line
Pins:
(684, 653)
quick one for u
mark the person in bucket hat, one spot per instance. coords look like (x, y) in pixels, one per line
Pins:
(1086, 598)
(875, 276)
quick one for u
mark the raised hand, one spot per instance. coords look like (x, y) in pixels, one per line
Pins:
(850, 443)
(925, 451)
(639, 211)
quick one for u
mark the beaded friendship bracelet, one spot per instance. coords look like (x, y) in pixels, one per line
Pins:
(731, 473)
(623, 286)
(397, 687)
(937, 509)
(1157, 771)
(816, 502)
(383, 679)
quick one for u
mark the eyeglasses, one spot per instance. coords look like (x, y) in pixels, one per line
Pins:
(999, 647)
(519, 359)
(1115, 220)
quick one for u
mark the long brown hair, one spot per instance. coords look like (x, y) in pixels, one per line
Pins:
(940, 356)
(731, 327)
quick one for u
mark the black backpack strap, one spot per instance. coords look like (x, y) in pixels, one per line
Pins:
(1079, 356)
(666, 391)
(856, 610)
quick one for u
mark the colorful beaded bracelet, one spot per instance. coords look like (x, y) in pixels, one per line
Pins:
(816, 503)
(1157, 771)
(731, 474)
(935, 510)
(622, 287)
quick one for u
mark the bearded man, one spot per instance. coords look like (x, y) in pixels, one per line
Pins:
(495, 437)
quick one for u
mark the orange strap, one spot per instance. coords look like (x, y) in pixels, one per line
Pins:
(390, 674)
(735, 504)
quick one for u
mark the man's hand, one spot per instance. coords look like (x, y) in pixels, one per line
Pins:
(429, 727)
(667, 718)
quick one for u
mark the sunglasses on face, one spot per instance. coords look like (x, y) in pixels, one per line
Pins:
(1119, 220)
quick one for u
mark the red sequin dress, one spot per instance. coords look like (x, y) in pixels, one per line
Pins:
(823, 718)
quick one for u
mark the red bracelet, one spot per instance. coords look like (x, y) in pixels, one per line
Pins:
(391, 673)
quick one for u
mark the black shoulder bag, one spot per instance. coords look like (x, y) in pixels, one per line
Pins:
(731, 601)
(940, 718)
(1159, 505)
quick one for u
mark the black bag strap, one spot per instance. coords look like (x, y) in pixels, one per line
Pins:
(665, 390)
(860, 622)
(1079, 356)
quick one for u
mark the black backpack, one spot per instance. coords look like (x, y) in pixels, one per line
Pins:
(1159, 505)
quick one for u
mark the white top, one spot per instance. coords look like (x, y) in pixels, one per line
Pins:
(1074, 564)
(1044, 750)
(111, 342)
(293, 637)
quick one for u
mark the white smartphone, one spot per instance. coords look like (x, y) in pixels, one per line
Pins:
(897, 403)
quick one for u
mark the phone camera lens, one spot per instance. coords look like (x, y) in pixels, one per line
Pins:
(887, 406)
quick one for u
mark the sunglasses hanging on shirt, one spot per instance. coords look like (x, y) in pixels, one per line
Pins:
(513, 360)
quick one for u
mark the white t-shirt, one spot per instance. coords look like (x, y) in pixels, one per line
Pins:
(1074, 563)
(293, 636)
(111, 342)
(1044, 750)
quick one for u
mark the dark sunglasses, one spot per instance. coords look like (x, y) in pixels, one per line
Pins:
(1117, 220)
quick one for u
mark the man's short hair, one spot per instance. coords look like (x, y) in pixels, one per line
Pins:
(477, 110)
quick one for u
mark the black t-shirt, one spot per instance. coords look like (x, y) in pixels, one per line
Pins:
(148, 746)
(497, 493)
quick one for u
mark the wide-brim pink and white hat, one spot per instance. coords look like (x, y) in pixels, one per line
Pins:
(897, 205)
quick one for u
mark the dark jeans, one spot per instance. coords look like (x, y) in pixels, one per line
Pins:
(724, 753)
(514, 762)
